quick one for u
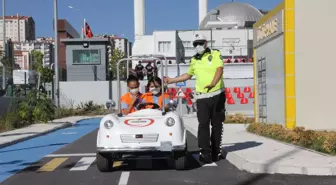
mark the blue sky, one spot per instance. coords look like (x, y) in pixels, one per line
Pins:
(116, 16)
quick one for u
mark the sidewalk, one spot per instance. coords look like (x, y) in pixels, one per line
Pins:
(258, 154)
(35, 130)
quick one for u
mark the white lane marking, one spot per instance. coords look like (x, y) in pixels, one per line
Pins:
(83, 164)
(196, 156)
(69, 133)
(72, 155)
(124, 178)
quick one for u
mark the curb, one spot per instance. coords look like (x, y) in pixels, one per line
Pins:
(260, 168)
(65, 125)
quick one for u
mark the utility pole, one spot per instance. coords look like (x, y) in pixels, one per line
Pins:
(56, 91)
(4, 44)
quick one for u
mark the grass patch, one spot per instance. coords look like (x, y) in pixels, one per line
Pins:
(238, 118)
(321, 141)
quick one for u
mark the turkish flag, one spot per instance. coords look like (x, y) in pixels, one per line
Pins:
(88, 32)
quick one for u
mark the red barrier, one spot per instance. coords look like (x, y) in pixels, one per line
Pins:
(247, 89)
(240, 95)
(236, 90)
(230, 101)
(244, 101)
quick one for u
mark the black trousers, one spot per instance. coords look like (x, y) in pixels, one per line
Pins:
(211, 110)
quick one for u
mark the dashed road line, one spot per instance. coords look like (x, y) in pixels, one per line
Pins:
(83, 164)
(124, 178)
(52, 165)
(72, 155)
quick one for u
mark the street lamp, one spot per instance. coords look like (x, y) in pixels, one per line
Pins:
(57, 102)
(4, 43)
(82, 15)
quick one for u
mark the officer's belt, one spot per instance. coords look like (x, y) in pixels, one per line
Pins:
(208, 95)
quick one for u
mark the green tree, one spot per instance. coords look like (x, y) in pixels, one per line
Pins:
(46, 73)
(117, 54)
(7, 62)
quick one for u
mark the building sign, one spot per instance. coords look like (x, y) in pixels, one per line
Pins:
(86, 57)
(267, 29)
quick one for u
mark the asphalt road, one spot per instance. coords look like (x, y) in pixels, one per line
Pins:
(74, 164)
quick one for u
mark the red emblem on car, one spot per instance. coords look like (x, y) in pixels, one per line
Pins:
(142, 122)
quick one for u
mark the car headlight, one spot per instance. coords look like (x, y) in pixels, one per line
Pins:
(170, 122)
(108, 124)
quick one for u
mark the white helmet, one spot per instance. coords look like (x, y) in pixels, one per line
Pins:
(199, 37)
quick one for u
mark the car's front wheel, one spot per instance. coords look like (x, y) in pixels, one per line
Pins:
(104, 162)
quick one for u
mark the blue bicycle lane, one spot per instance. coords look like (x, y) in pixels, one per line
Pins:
(21, 155)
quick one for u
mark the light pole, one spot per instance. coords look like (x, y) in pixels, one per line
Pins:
(57, 102)
(4, 44)
(82, 15)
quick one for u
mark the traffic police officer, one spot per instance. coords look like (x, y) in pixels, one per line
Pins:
(207, 65)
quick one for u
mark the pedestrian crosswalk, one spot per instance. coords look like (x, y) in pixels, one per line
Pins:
(77, 163)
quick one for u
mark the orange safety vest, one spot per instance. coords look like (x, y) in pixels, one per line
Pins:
(127, 99)
(148, 97)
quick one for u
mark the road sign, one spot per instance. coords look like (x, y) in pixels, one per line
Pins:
(181, 84)
(180, 93)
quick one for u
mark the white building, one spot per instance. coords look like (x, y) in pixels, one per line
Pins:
(18, 28)
(228, 28)
(23, 51)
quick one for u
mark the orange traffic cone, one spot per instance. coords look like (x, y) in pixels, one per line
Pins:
(244, 101)
(227, 90)
(247, 89)
(236, 90)
(228, 95)
(240, 95)
(251, 95)
(231, 101)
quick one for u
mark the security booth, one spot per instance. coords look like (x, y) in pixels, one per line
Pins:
(87, 59)
(269, 72)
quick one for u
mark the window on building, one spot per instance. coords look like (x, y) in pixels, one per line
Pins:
(164, 46)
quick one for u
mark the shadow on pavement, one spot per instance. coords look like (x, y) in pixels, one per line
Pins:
(240, 146)
(5, 151)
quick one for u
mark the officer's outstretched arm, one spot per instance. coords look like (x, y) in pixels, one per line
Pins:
(181, 78)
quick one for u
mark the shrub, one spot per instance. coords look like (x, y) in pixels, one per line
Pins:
(36, 108)
(238, 118)
(315, 140)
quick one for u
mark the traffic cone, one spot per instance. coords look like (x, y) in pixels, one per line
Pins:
(228, 95)
(244, 101)
(251, 95)
(236, 90)
(231, 101)
(227, 90)
(247, 89)
(240, 95)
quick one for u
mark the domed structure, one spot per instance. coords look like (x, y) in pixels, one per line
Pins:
(240, 15)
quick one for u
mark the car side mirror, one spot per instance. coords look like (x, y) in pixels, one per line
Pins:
(110, 104)
(173, 103)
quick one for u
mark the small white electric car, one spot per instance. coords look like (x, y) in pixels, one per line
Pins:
(153, 132)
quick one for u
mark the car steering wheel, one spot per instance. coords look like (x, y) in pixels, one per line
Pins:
(144, 105)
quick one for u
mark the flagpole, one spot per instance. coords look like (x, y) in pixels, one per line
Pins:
(84, 29)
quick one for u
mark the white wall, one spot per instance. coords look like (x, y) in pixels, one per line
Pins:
(315, 78)
(73, 93)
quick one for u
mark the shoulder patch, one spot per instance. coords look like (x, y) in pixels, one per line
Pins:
(210, 58)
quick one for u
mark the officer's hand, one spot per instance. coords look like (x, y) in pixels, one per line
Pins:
(209, 87)
(166, 79)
